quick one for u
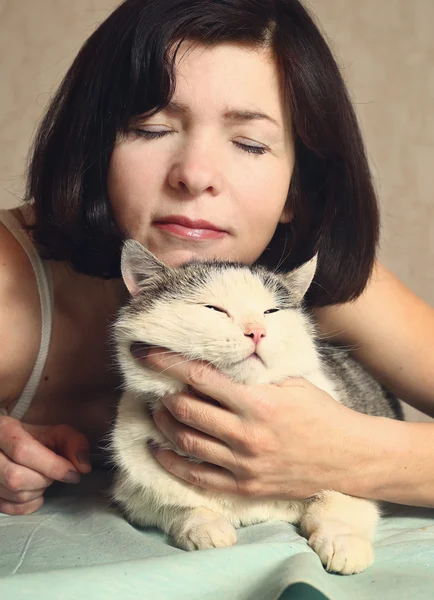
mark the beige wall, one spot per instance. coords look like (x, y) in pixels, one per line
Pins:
(385, 49)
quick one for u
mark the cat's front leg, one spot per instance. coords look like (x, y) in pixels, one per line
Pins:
(200, 528)
(340, 529)
(191, 527)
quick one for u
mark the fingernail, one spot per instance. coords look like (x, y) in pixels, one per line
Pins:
(139, 349)
(72, 477)
(83, 457)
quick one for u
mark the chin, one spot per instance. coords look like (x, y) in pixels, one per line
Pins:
(176, 258)
(248, 372)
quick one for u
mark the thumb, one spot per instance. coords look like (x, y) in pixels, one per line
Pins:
(293, 382)
(68, 442)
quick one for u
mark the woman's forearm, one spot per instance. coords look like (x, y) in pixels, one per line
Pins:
(397, 463)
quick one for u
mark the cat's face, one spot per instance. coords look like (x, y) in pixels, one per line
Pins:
(247, 322)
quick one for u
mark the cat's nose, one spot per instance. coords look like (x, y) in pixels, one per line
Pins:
(256, 332)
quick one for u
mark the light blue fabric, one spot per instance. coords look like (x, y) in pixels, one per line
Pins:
(78, 547)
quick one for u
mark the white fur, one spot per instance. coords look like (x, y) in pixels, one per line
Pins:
(339, 528)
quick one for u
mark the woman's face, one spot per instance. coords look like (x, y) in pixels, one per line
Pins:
(208, 176)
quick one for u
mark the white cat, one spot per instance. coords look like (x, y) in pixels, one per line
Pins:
(204, 311)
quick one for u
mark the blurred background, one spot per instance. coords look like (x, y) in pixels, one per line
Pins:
(386, 53)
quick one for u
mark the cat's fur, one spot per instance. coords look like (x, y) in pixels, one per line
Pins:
(169, 309)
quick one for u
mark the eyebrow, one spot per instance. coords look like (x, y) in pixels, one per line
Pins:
(230, 114)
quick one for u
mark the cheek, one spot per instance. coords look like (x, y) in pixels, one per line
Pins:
(129, 173)
(266, 194)
(131, 185)
(119, 180)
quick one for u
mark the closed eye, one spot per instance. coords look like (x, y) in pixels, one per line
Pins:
(251, 149)
(155, 135)
(216, 308)
(271, 310)
(151, 135)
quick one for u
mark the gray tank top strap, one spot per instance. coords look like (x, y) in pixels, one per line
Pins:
(43, 276)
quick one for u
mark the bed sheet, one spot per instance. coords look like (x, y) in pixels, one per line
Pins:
(78, 546)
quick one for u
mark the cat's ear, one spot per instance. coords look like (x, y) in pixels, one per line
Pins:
(300, 279)
(138, 266)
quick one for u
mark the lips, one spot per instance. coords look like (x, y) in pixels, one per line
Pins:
(186, 222)
(188, 228)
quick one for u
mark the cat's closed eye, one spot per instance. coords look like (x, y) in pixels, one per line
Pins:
(217, 308)
(271, 310)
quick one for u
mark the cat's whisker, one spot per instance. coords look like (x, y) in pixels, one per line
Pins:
(349, 348)
(162, 353)
(150, 347)
(208, 364)
(321, 286)
(330, 334)
(282, 258)
(146, 345)
(175, 365)
(345, 349)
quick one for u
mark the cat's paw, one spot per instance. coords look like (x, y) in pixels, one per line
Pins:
(342, 552)
(201, 535)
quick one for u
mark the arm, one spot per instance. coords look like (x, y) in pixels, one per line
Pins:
(394, 461)
(20, 320)
(393, 334)
(29, 454)
(392, 331)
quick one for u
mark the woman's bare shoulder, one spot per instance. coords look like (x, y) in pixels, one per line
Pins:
(20, 318)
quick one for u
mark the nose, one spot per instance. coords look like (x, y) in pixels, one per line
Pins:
(256, 332)
(196, 171)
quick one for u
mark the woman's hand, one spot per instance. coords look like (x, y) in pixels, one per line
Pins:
(32, 457)
(288, 440)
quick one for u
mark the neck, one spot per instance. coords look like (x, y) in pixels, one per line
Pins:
(84, 296)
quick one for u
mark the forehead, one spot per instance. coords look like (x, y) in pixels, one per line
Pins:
(228, 73)
(228, 286)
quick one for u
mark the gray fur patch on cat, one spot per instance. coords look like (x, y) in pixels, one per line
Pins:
(357, 389)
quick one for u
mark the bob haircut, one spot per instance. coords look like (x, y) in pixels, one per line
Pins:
(126, 69)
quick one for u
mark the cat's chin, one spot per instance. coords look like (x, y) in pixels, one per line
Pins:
(248, 371)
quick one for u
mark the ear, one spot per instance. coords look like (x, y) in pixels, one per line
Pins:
(287, 214)
(300, 279)
(138, 265)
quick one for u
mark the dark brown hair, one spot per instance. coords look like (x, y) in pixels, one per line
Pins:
(125, 69)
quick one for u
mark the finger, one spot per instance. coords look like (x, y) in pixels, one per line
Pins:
(196, 444)
(27, 508)
(67, 442)
(202, 475)
(20, 497)
(203, 378)
(213, 420)
(17, 478)
(21, 447)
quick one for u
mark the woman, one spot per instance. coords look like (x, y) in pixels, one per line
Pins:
(175, 121)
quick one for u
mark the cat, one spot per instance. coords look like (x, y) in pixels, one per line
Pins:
(200, 310)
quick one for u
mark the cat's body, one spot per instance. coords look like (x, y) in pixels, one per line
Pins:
(175, 309)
